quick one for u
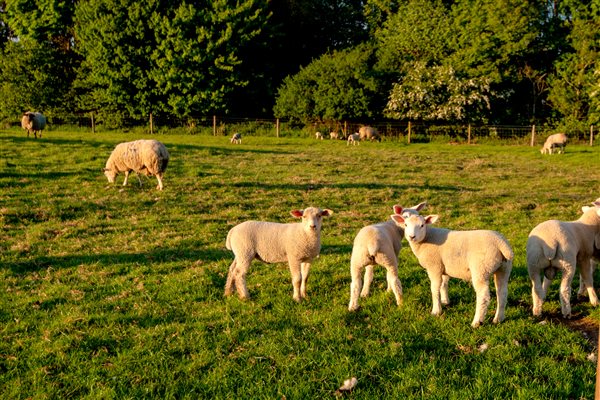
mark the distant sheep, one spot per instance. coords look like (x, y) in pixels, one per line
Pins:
(270, 242)
(333, 135)
(557, 141)
(236, 138)
(149, 157)
(354, 139)
(555, 246)
(378, 244)
(468, 255)
(318, 135)
(33, 122)
(368, 132)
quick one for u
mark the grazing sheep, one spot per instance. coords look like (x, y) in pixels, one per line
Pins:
(557, 141)
(333, 135)
(33, 122)
(468, 255)
(563, 246)
(318, 135)
(270, 242)
(368, 132)
(378, 244)
(149, 157)
(236, 138)
(354, 139)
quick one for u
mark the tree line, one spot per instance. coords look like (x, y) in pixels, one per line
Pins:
(310, 61)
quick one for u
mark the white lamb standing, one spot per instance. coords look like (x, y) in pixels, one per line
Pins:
(149, 157)
(378, 244)
(270, 242)
(333, 135)
(557, 141)
(354, 139)
(318, 135)
(555, 246)
(236, 138)
(468, 255)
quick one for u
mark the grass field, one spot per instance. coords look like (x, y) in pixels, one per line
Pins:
(117, 292)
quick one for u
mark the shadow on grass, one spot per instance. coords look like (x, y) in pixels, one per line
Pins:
(348, 185)
(157, 256)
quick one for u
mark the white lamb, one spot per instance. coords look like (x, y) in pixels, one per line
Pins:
(270, 242)
(557, 141)
(354, 139)
(236, 138)
(318, 135)
(468, 255)
(557, 245)
(149, 157)
(333, 135)
(378, 244)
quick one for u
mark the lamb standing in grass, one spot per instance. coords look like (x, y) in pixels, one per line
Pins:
(33, 122)
(333, 135)
(368, 132)
(318, 135)
(468, 255)
(270, 242)
(236, 138)
(563, 246)
(354, 139)
(557, 141)
(378, 244)
(149, 157)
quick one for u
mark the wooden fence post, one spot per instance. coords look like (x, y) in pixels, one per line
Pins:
(93, 124)
(409, 129)
(277, 127)
(151, 125)
(532, 135)
(469, 134)
(214, 125)
(591, 135)
(345, 128)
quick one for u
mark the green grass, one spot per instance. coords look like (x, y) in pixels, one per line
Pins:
(117, 292)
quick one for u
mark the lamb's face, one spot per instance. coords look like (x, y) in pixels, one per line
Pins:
(415, 228)
(312, 218)
(110, 175)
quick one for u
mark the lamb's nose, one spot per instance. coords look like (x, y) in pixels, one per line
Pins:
(411, 237)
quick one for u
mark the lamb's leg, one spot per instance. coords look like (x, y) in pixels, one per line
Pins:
(126, 177)
(295, 270)
(305, 268)
(568, 271)
(537, 293)
(366, 287)
(160, 182)
(436, 283)
(230, 283)
(587, 280)
(482, 291)
(501, 282)
(356, 284)
(444, 290)
(391, 265)
(239, 276)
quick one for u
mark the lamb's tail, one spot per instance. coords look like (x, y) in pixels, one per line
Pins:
(506, 250)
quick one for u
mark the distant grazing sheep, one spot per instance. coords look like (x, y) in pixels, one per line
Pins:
(236, 138)
(468, 255)
(557, 141)
(318, 135)
(33, 122)
(333, 135)
(562, 246)
(354, 139)
(368, 132)
(149, 157)
(378, 244)
(270, 242)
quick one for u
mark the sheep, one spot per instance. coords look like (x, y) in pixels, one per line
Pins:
(333, 135)
(378, 244)
(149, 157)
(368, 132)
(33, 122)
(354, 139)
(236, 138)
(557, 141)
(558, 245)
(468, 255)
(318, 135)
(297, 243)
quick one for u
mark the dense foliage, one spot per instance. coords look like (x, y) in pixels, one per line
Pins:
(489, 61)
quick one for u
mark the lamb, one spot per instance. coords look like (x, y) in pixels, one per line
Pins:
(297, 243)
(378, 244)
(33, 122)
(557, 141)
(368, 132)
(149, 157)
(236, 138)
(354, 139)
(468, 255)
(557, 245)
(333, 135)
(318, 135)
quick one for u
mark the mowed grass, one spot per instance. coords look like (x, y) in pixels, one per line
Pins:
(117, 292)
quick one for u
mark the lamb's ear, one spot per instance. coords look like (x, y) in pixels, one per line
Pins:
(596, 203)
(420, 206)
(398, 219)
(397, 209)
(297, 213)
(326, 213)
(431, 219)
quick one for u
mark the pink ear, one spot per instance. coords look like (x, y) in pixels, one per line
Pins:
(431, 219)
(397, 209)
(398, 219)
(420, 206)
(326, 213)
(297, 213)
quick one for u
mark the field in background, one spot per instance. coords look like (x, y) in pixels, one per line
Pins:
(117, 292)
